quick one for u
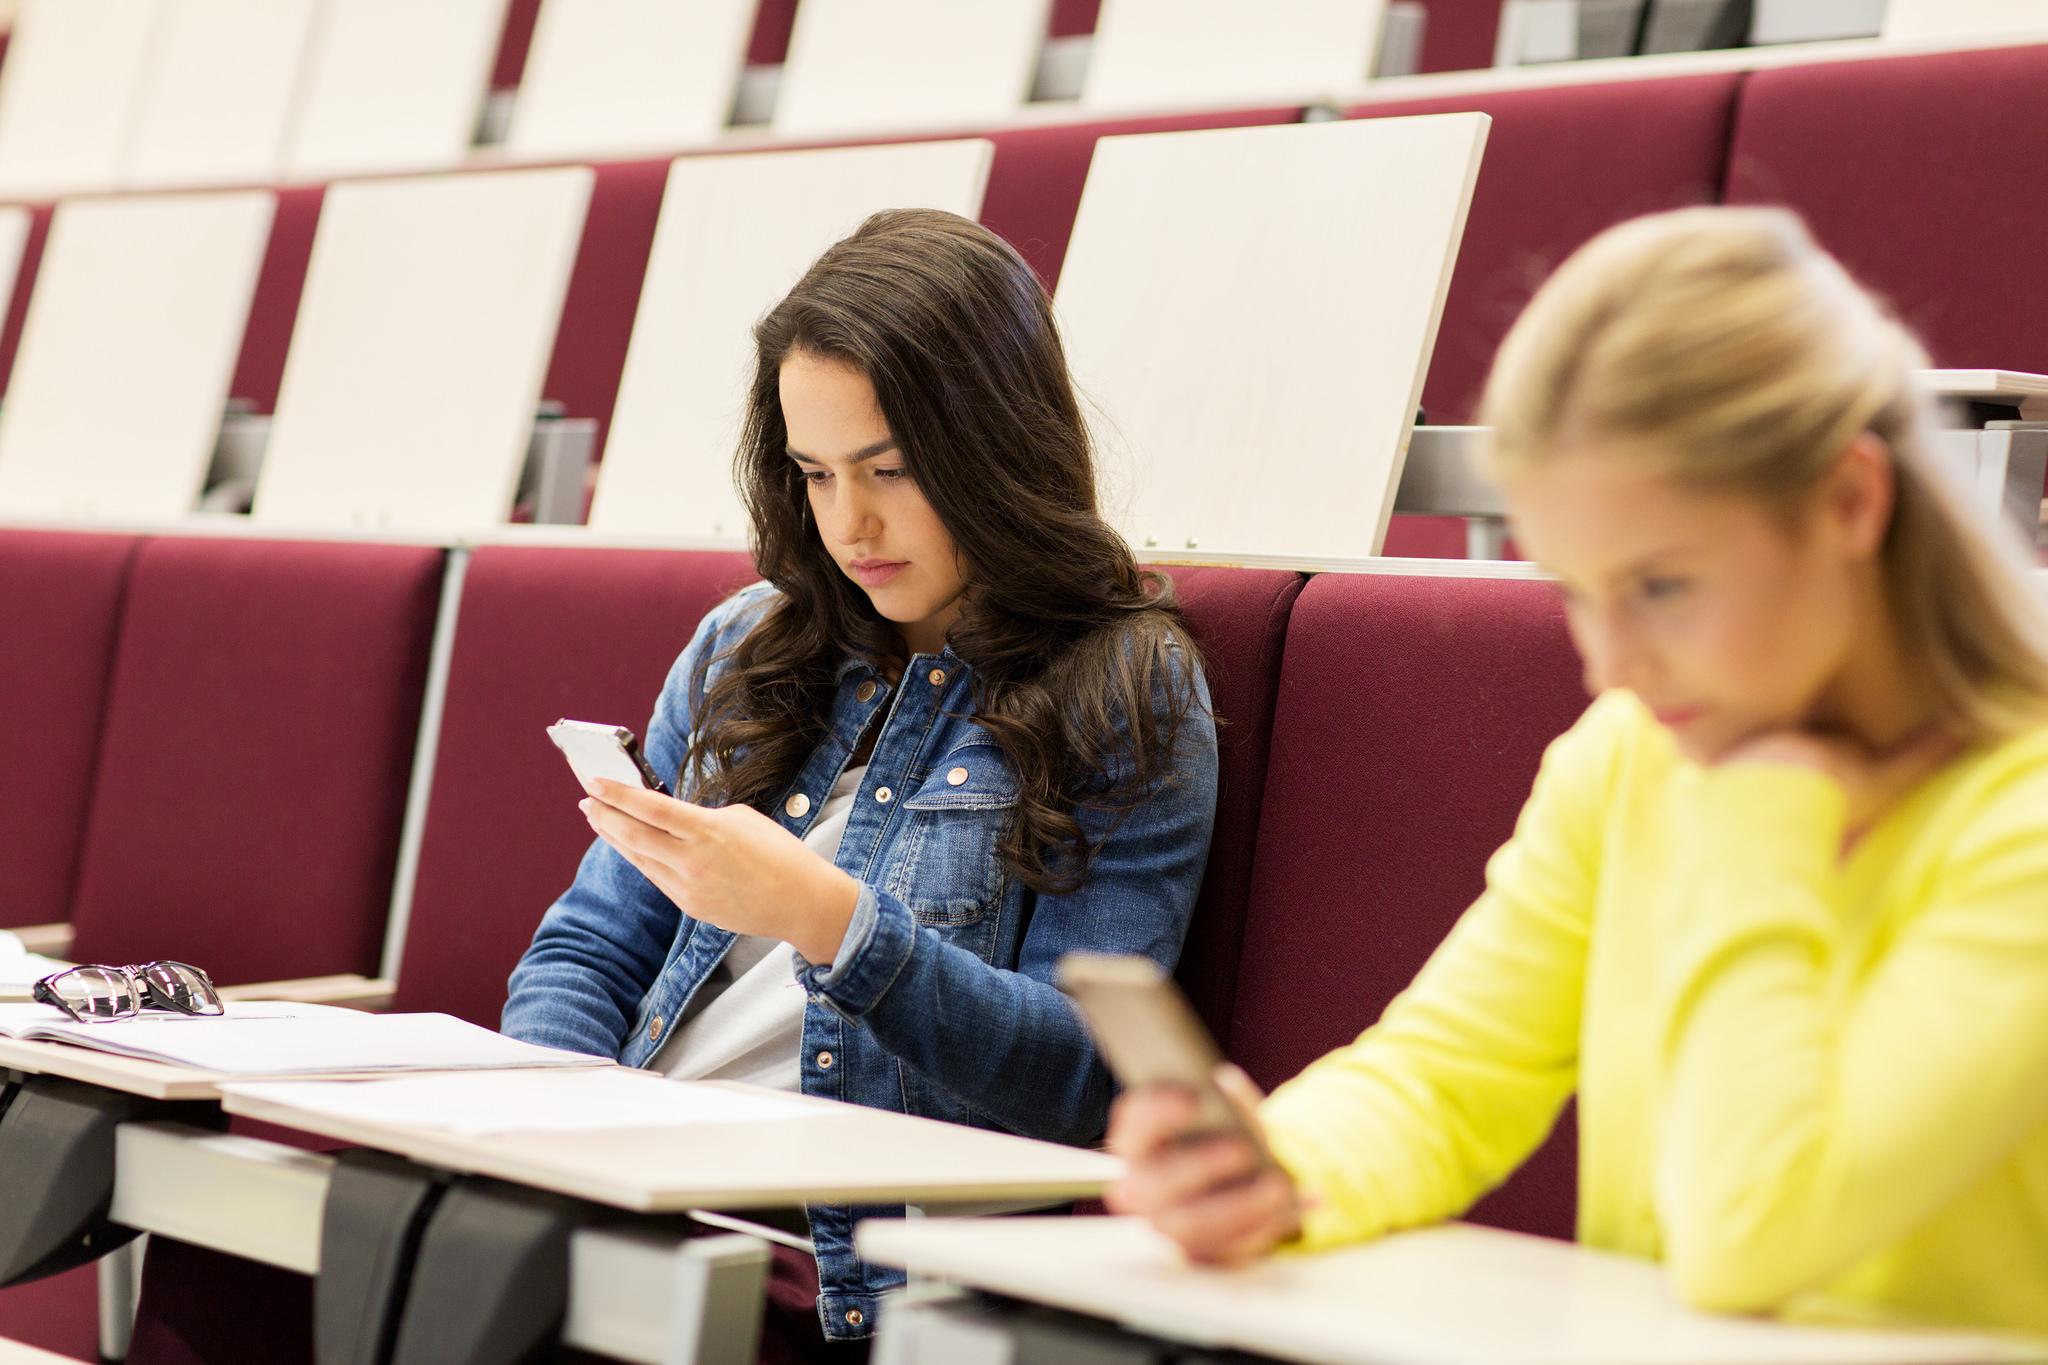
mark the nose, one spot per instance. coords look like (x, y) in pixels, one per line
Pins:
(1612, 652)
(851, 517)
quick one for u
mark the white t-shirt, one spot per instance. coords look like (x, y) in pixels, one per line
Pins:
(747, 1020)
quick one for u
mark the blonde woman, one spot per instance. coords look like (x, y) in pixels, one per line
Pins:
(1777, 908)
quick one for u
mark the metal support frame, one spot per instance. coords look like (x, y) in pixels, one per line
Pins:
(558, 459)
(635, 1292)
(2004, 463)
(1535, 32)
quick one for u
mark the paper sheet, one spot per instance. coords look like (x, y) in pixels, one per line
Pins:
(478, 1104)
(20, 969)
(275, 1038)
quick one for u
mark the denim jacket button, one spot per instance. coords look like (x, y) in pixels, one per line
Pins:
(824, 1061)
(854, 1317)
(884, 795)
(956, 777)
(865, 692)
(937, 677)
(654, 1030)
(797, 806)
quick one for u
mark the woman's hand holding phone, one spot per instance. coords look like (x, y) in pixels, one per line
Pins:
(730, 866)
(1213, 1192)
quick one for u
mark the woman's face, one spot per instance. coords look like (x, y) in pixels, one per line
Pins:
(1724, 619)
(870, 515)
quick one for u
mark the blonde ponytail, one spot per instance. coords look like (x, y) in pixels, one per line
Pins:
(1727, 345)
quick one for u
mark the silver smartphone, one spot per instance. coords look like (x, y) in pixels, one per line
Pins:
(1152, 1036)
(604, 751)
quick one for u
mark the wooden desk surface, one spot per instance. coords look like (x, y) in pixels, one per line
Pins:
(846, 1154)
(1451, 1295)
(151, 1080)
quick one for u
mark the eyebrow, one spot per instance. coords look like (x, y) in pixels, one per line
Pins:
(861, 456)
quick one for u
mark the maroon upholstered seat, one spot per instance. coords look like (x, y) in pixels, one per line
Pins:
(1411, 717)
(1071, 18)
(542, 634)
(60, 1314)
(1915, 173)
(1459, 34)
(16, 314)
(1553, 176)
(253, 768)
(1239, 618)
(1035, 183)
(604, 290)
(274, 308)
(60, 603)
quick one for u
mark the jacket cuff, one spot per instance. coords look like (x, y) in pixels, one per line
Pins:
(879, 941)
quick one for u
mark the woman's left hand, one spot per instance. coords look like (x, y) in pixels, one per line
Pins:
(730, 866)
(1873, 781)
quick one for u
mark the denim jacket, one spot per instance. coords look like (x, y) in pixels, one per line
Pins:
(942, 1002)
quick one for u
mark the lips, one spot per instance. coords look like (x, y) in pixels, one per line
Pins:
(873, 573)
(1678, 717)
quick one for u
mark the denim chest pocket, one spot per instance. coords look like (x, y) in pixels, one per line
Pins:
(947, 869)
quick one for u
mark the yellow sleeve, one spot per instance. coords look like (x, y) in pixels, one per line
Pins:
(1800, 1131)
(1468, 1068)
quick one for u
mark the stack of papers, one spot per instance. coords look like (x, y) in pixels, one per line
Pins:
(264, 1038)
(529, 1102)
(20, 969)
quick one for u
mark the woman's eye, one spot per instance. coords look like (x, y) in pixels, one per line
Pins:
(896, 473)
(815, 475)
(1656, 589)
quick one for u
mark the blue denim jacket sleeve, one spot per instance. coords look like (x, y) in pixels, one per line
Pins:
(1008, 1043)
(580, 984)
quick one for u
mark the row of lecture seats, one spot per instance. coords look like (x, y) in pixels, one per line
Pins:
(1904, 166)
(225, 729)
(103, 94)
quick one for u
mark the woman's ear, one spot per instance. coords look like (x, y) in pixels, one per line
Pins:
(1859, 494)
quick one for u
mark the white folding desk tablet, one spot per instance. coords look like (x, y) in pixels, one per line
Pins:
(1451, 1295)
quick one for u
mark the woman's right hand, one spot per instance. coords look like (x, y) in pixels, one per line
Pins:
(1211, 1193)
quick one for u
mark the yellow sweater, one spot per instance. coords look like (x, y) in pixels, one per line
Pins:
(1806, 1082)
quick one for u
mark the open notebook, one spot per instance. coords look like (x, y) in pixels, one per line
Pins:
(20, 969)
(269, 1039)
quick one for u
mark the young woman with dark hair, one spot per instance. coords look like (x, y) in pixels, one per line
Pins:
(955, 734)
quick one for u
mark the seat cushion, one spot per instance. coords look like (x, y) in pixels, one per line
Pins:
(1553, 176)
(16, 315)
(60, 602)
(1916, 174)
(1239, 618)
(1411, 716)
(253, 770)
(274, 308)
(542, 634)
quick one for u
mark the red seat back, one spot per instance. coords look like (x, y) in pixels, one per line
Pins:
(1553, 176)
(542, 634)
(1239, 618)
(259, 736)
(1915, 173)
(1411, 716)
(60, 601)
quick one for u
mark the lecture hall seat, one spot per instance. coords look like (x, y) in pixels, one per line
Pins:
(1916, 173)
(253, 765)
(60, 601)
(1412, 713)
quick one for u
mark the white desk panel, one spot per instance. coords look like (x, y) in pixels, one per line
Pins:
(608, 77)
(839, 1153)
(218, 106)
(1153, 53)
(1451, 1295)
(127, 352)
(395, 85)
(1248, 314)
(68, 92)
(422, 341)
(735, 233)
(867, 65)
(1916, 20)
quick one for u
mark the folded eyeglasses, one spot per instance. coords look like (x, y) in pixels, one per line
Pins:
(98, 995)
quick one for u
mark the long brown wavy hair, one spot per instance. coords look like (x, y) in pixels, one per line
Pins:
(1070, 644)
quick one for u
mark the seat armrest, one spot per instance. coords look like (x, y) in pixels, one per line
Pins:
(356, 992)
